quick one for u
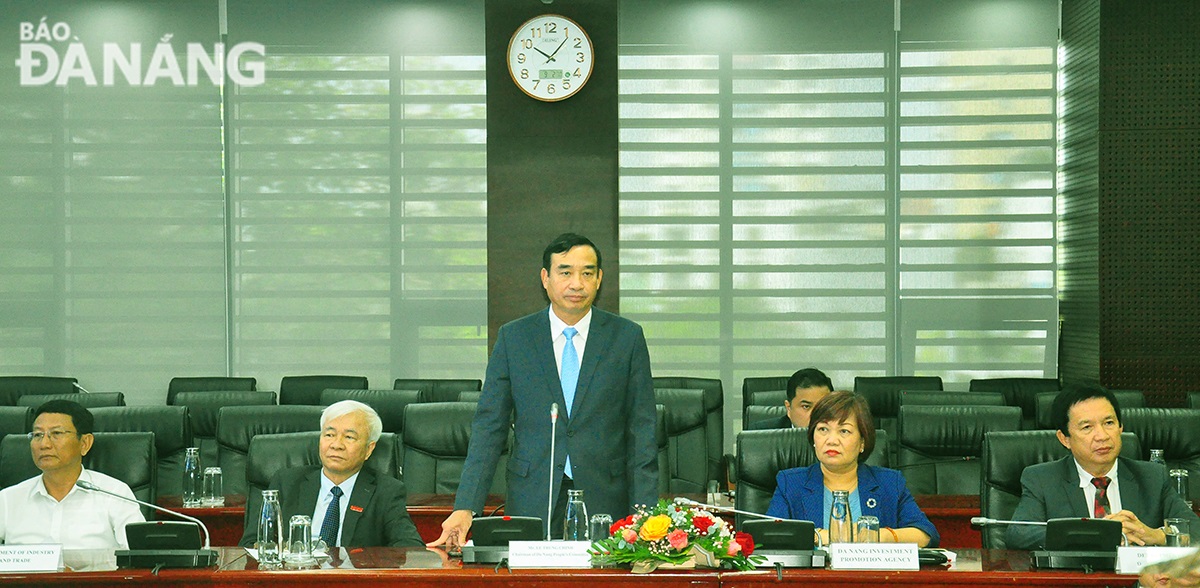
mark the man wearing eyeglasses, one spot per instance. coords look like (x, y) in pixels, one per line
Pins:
(49, 508)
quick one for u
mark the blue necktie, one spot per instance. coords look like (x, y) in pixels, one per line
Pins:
(333, 518)
(569, 377)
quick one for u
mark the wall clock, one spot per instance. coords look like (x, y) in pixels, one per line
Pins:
(550, 57)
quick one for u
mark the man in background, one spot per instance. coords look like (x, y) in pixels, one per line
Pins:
(804, 389)
(594, 365)
(50, 508)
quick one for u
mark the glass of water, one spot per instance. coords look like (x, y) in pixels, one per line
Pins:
(214, 489)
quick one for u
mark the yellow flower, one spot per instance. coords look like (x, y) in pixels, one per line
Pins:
(655, 527)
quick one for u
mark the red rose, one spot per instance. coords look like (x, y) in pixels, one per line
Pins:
(746, 541)
(702, 524)
(621, 524)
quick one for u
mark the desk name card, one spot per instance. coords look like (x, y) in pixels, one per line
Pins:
(549, 554)
(1131, 560)
(874, 556)
(31, 558)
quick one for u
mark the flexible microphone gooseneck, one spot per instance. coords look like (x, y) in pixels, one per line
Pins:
(94, 488)
(689, 502)
(550, 490)
(984, 521)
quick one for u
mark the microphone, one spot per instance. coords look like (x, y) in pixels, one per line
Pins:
(176, 557)
(688, 502)
(984, 521)
(550, 489)
(81, 388)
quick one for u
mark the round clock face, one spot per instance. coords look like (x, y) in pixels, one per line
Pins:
(550, 58)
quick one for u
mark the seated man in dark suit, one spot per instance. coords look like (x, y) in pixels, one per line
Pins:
(349, 506)
(1094, 481)
(804, 389)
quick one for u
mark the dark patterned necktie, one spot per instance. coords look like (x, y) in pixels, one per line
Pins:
(333, 518)
(1100, 505)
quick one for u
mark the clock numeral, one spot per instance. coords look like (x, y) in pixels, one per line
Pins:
(579, 57)
(535, 83)
(577, 72)
(535, 32)
(551, 27)
(549, 88)
(520, 58)
(567, 84)
(524, 74)
(527, 43)
(578, 43)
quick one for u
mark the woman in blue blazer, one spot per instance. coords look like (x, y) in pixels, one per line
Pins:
(842, 432)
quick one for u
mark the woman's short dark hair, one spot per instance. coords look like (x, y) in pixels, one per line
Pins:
(845, 406)
(81, 417)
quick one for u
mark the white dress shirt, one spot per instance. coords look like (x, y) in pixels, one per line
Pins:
(1089, 491)
(325, 497)
(82, 520)
(580, 339)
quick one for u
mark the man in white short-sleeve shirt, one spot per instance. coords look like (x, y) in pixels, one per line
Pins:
(49, 508)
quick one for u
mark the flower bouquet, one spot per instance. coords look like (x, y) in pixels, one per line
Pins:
(674, 535)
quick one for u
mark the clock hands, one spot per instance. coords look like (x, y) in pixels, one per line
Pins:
(548, 57)
(560, 46)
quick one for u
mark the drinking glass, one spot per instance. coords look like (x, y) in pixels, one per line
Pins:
(866, 529)
(214, 490)
(299, 546)
(599, 526)
(1177, 531)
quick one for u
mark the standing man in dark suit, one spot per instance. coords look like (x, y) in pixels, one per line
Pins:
(349, 506)
(804, 389)
(595, 366)
(1094, 481)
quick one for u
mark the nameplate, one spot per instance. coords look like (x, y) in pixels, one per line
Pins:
(549, 554)
(31, 558)
(1131, 560)
(874, 556)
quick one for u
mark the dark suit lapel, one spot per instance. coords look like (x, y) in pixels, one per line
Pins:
(364, 489)
(598, 337)
(542, 345)
(813, 496)
(1072, 494)
(1132, 493)
(868, 490)
(305, 498)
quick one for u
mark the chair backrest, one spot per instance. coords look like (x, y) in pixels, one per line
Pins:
(273, 452)
(688, 451)
(1174, 430)
(764, 398)
(883, 396)
(714, 416)
(1129, 398)
(950, 398)
(92, 400)
(762, 454)
(208, 384)
(438, 389)
(1193, 400)
(754, 384)
(14, 387)
(203, 408)
(939, 446)
(756, 414)
(15, 420)
(1006, 454)
(307, 389)
(172, 436)
(128, 457)
(389, 404)
(1020, 392)
(664, 445)
(238, 425)
(469, 395)
(435, 450)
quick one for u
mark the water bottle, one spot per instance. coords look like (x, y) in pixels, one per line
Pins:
(1156, 456)
(1180, 478)
(270, 533)
(192, 478)
(575, 522)
(840, 525)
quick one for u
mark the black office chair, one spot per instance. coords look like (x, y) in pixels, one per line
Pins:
(172, 436)
(883, 396)
(760, 416)
(950, 398)
(939, 446)
(1006, 454)
(1020, 392)
(1174, 430)
(203, 408)
(208, 384)
(15, 420)
(93, 400)
(754, 384)
(664, 445)
(389, 404)
(714, 418)
(688, 451)
(238, 425)
(307, 389)
(14, 387)
(438, 389)
(128, 457)
(1193, 400)
(436, 448)
(469, 396)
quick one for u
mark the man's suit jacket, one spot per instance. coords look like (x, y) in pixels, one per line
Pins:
(882, 493)
(1051, 490)
(609, 433)
(376, 515)
(782, 422)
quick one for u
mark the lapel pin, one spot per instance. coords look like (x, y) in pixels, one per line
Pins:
(870, 503)
(355, 508)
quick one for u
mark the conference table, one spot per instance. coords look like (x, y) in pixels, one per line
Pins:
(433, 568)
(950, 514)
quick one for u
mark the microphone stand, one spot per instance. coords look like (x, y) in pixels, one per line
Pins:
(183, 558)
(550, 489)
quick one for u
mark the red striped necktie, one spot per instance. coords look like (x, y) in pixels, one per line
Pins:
(1100, 505)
